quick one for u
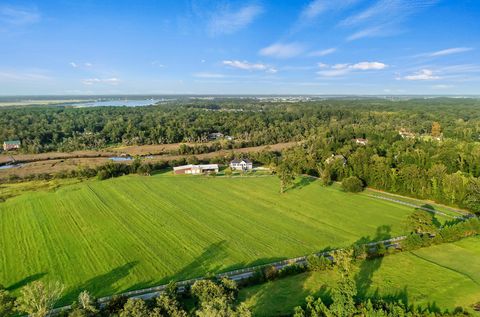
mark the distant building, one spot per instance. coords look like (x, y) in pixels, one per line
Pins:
(215, 136)
(241, 165)
(196, 169)
(406, 134)
(361, 141)
(11, 145)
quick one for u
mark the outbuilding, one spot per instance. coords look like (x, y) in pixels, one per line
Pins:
(196, 169)
(11, 145)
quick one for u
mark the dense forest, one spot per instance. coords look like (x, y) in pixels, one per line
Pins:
(43, 129)
(426, 148)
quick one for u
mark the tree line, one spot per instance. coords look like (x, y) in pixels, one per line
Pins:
(60, 128)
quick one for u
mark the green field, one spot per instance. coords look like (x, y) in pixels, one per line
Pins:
(133, 231)
(444, 276)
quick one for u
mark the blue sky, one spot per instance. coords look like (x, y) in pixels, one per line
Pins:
(240, 47)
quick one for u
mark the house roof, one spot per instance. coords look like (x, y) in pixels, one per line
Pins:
(202, 166)
(14, 142)
(241, 160)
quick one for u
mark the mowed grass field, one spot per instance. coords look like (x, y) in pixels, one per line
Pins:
(441, 277)
(133, 231)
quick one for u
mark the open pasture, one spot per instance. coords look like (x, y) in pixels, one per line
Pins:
(133, 232)
(441, 277)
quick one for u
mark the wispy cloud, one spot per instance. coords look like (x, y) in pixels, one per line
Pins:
(157, 64)
(244, 65)
(457, 73)
(343, 69)
(324, 52)
(424, 74)
(369, 66)
(282, 50)
(18, 16)
(227, 20)
(384, 17)
(386, 10)
(208, 75)
(450, 51)
(376, 31)
(26, 75)
(317, 7)
(80, 65)
(93, 81)
(442, 86)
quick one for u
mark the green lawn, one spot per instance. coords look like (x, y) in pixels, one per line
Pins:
(443, 276)
(132, 232)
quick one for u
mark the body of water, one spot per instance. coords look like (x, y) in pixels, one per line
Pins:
(4, 167)
(119, 103)
(120, 158)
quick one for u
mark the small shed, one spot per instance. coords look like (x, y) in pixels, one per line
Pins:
(11, 145)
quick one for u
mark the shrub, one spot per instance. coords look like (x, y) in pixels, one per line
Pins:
(115, 304)
(352, 184)
(318, 263)
(270, 272)
(291, 269)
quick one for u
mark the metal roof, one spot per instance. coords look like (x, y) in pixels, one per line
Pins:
(14, 142)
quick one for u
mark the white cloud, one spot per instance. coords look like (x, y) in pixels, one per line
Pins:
(340, 66)
(314, 9)
(450, 51)
(282, 50)
(317, 7)
(369, 65)
(16, 16)
(369, 32)
(424, 74)
(80, 65)
(227, 21)
(158, 64)
(92, 81)
(24, 76)
(208, 75)
(386, 10)
(384, 17)
(244, 65)
(324, 52)
(343, 69)
(333, 72)
(442, 86)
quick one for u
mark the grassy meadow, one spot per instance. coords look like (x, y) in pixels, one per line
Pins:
(441, 277)
(133, 231)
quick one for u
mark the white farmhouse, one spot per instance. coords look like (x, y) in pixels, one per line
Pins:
(241, 165)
